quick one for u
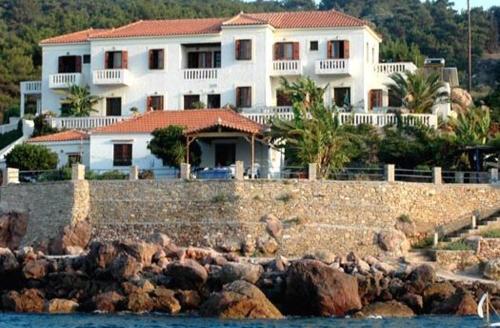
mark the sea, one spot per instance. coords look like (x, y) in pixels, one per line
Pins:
(163, 321)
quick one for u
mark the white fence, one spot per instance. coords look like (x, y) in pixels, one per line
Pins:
(332, 66)
(31, 87)
(11, 126)
(84, 123)
(64, 80)
(265, 114)
(390, 68)
(287, 67)
(111, 76)
(201, 73)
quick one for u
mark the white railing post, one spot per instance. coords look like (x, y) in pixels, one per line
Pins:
(185, 171)
(134, 173)
(312, 171)
(493, 175)
(390, 173)
(10, 176)
(459, 177)
(436, 175)
(239, 170)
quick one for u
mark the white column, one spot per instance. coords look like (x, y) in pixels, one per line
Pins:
(390, 173)
(22, 104)
(78, 172)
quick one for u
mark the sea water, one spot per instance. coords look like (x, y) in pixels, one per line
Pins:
(163, 321)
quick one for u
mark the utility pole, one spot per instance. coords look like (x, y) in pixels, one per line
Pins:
(469, 46)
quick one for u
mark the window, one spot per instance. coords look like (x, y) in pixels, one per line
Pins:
(191, 101)
(86, 59)
(286, 51)
(313, 46)
(70, 64)
(155, 103)
(342, 96)
(394, 100)
(114, 106)
(375, 98)
(243, 97)
(338, 49)
(217, 59)
(66, 109)
(204, 59)
(156, 58)
(213, 101)
(243, 49)
(282, 99)
(225, 154)
(74, 158)
(115, 59)
(122, 154)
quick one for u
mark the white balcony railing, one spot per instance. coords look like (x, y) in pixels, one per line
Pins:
(64, 80)
(201, 73)
(390, 68)
(287, 67)
(111, 76)
(31, 87)
(332, 66)
(11, 126)
(263, 115)
(84, 123)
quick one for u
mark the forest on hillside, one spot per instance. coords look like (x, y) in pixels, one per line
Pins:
(411, 28)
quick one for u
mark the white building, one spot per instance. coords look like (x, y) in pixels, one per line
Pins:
(178, 64)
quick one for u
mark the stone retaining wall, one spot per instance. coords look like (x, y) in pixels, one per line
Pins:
(336, 215)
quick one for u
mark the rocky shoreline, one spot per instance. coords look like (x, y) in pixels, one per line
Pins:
(155, 275)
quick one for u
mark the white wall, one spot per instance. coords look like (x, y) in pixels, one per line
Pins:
(170, 81)
(63, 149)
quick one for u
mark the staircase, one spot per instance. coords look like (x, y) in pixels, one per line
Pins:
(483, 224)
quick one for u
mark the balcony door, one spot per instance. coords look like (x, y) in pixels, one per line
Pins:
(116, 60)
(338, 49)
(375, 97)
(70, 64)
(342, 97)
(286, 51)
(114, 106)
(204, 59)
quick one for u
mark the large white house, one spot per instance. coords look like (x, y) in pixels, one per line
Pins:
(173, 65)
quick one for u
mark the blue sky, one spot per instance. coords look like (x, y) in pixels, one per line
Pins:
(462, 4)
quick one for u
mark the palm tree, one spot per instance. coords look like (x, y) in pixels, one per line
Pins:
(418, 92)
(304, 92)
(472, 127)
(79, 101)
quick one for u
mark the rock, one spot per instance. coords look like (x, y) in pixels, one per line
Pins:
(59, 305)
(74, 250)
(188, 299)
(267, 245)
(460, 303)
(406, 226)
(35, 269)
(124, 267)
(101, 255)
(388, 309)
(422, 276)
(323, 255)
(142, 252)
(273, 226)
(8, 261)
(437, 292)
(74, 235)
(248, 246)
(279, 264)
(414, 301)
(29, 300)
(313, 288)
(393, 241)
(240, 271)
(108, 302)
(239, 300)
(461, 100)
(186, 274)
(165, 301)
(140, 302)
(384, 267)
(371, 260)
(12, 229)
(141, 286)
(229, 245)
(160, 239)
(492, 269)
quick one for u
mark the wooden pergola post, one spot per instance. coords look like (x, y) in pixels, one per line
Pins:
(253, 157)
(189, 140)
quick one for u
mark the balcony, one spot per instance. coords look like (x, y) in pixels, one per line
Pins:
(111, 77)
(390, 68)
(64, 80)
(332, 66)
(286, 67)
(84, 123)
(201, 73)
(31, 87)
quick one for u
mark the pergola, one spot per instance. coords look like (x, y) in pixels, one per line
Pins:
(227, 129)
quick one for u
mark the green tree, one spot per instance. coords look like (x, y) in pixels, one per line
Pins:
(304, 93)
(417, 91)
(399, 51)
(29, 157)
(472, 127)
(79, 101)
(169, 145)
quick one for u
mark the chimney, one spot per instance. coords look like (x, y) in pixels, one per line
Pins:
(434, 65)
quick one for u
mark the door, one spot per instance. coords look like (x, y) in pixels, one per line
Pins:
(213, 101)
(225, 154)
(375, 97)
(342, 97)
(191, 101)
(114, 106)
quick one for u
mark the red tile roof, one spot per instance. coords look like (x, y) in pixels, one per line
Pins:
(279, 20)
(75, 37)
(298, 19)
(191, 120)
(70, 135)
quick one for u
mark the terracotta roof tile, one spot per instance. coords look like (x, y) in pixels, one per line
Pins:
(70, 135)
(191, 120)
(75, 37)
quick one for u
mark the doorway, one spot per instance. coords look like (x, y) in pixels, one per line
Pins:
(225, 154)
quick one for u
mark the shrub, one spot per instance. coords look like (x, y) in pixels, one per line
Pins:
(424, 243)
(58, 175)
(29, 157)
(146, 175)
(495, 233)
(457, 246)
(169, 145)
(108, 175)
(405, 218)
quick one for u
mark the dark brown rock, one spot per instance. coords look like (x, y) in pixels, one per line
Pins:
(140, 302)
(314, 288)
(239, 300)
(142, 252)
(240, 271)
(74, 235)
(59, 305)
(8, 261)
(414, 301)
(124, 267)
(421, 277)
(387, 309)
(108, 302)
(29, 300)
(437, 292)
(101, 255)
(273, 226)
(12, 229)
(188, 299)
(460, 303)
(165, 301)
(186, 274)
(35, 269)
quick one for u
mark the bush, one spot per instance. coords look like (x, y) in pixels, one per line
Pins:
(29, 157)
(169, 145)
(109, 175)
(495, 233)
(146, 175)
(42, 127)
(58, 175)
(457, 246)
